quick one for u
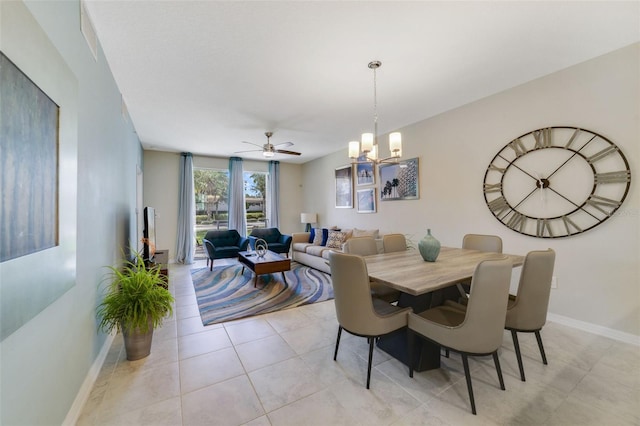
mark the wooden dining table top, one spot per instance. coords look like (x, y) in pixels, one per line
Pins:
(406, 271)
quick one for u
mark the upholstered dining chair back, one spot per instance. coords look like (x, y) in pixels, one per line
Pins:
(476, 331)
(491, 243)
(354, 306)
(362, 246)
(366, 246)
(394, 242)
(357, 312)
(529, 309)
(481, 331)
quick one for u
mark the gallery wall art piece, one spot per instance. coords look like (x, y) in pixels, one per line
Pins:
(365, 173)
(28, 165)
(344, 187)
(366, 199)
(399, 181)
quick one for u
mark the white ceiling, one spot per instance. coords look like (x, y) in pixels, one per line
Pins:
(202, 76)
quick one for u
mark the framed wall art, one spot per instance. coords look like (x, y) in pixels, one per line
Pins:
(28, 165)
(366, 200)
(344, 187)
(365, 173)
(399, 181)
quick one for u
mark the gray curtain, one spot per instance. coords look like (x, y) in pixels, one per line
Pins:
(237, 213)
(273, 194)
(186, 211)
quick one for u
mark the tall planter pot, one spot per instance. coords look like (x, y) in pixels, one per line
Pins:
(137, 342)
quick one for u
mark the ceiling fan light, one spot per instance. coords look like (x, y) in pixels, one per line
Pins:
(268, 154)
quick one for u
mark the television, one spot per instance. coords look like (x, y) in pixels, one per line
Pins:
(149, 234)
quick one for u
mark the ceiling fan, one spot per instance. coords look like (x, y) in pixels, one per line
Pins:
(268, 149)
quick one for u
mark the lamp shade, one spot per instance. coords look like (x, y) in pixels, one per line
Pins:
(308, 218)
(395, 143)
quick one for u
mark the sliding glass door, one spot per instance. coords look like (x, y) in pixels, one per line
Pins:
(211, 192)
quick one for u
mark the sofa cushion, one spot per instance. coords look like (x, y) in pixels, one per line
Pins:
(336, 239)
(327, 252)
(301, 246)
(315, 250)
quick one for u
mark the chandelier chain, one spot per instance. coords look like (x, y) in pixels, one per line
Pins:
(375, 108)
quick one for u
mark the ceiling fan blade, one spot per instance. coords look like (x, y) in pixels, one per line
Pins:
(251, 150)
(254, 144)
(283, 145)
(284, 151)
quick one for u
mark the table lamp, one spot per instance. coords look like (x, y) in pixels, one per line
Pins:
(308, 218)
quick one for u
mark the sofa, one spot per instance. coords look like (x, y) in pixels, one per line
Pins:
(312, 248)
(277, 242)
(223, 244)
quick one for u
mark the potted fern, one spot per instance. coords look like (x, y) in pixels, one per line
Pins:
(136, 302)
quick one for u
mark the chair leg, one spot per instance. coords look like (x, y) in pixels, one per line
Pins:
(411, 342)
(467, 375)
(516, 345)
(539, 339)
(211, 265)
(335, 354)
(371, 341)
(496, 361)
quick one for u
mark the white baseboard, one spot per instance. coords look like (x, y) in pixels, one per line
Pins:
(87, 386)
(595, 329)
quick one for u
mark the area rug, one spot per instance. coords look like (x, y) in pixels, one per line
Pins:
(226, 293)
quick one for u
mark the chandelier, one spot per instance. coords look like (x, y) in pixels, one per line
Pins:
(366, 151)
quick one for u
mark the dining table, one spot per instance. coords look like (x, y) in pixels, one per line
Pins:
(421, 284)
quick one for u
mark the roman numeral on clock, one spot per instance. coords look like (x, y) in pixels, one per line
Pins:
(543, 138)
(498, 206)
(621, 176)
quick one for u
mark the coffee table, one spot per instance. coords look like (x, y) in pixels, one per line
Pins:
(269, 263)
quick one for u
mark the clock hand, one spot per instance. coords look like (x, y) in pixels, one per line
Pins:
(570, 158)
(512, 163)
(541, 185)
(525, 198)
(576, 205)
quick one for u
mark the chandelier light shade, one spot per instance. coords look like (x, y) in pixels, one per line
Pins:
(367, 148)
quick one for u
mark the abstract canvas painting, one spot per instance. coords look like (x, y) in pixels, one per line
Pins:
(28, 165)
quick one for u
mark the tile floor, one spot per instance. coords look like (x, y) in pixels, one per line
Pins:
(278, 369)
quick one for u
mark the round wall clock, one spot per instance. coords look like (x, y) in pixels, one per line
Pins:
(556, 182)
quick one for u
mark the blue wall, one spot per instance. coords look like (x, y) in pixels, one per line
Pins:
(45, 361)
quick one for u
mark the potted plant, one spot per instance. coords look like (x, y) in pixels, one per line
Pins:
(136, 302)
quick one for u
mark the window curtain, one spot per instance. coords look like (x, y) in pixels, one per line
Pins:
(273, 194)
(186, 211)
(237, 205)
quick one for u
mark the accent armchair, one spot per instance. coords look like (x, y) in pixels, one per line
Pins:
(277, 242)
(223, 244)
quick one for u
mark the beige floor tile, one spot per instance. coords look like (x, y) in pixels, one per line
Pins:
(132, 390)
(208, 369)
(320, 409)
(249, 330)
(201, 343)
(289, 319)
(232, 402)
(573, 411)
(260, 353)
(280, 384)
(381, 404)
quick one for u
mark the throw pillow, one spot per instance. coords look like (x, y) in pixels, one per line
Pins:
(373, 233)
(336, 239)
(312, 235)
(320, 237)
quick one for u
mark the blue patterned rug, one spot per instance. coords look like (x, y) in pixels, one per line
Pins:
(226, 294)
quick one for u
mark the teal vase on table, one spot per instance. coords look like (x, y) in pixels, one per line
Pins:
(429, 247)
